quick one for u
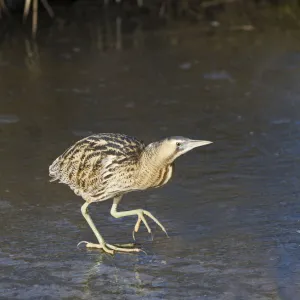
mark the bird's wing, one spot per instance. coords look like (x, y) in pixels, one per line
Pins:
(87, 164)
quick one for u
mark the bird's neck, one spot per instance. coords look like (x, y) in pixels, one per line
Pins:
(150, 165)
(155, 158)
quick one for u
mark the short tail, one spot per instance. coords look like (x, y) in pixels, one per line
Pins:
(54, 170)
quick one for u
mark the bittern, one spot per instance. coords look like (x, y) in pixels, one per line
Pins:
(109, 165)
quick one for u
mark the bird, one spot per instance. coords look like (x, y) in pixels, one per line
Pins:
(108, 165)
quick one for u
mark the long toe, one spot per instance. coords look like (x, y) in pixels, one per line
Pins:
(124, 248)
(136, 227)
(129, 245)
(97, 246)
(111, 249)
(147, 213)
(141, 219)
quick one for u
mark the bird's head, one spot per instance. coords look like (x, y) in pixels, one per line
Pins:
(172, 147)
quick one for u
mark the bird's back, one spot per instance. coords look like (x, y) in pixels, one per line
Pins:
(99, 166)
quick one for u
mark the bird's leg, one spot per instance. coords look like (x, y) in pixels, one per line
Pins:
(139, 212)
(102, 244)
(100, 239)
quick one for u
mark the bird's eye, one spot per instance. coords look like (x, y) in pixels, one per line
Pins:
(178, 144)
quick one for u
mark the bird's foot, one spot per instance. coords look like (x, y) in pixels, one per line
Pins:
(111, 249)
(141, 218)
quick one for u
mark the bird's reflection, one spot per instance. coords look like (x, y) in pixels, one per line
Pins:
(32, 57)
(122, 280)
(119, 44)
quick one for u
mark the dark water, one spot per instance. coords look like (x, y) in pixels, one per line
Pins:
(232, 209)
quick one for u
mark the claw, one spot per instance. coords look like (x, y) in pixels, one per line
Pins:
(82, 242)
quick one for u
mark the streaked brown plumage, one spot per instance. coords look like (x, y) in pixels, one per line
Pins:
(93, 166)
(109, 165)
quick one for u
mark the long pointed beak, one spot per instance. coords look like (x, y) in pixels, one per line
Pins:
(191, 144)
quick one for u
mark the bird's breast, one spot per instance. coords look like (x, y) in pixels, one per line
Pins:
(155, 178)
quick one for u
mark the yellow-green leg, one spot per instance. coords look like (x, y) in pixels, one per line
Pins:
(141, 213)
(102, 244)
